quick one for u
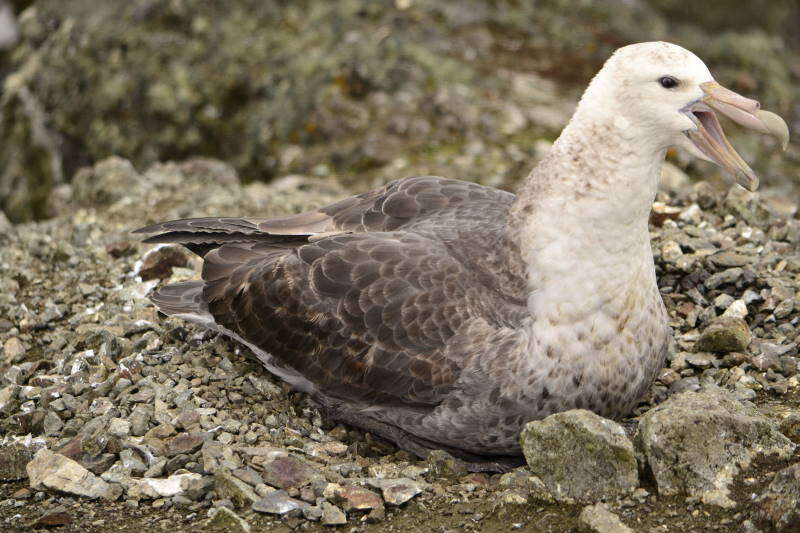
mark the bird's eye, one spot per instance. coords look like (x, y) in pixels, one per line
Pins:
(668, 82)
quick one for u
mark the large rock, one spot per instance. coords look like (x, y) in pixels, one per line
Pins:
(29, 157)
(580, 455)
(696, 442)
(780, 504)
(285, 472)
(53, 471)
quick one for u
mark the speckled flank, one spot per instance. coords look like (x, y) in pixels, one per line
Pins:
(440, 313)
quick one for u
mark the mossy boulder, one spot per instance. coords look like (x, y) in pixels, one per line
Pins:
(695, 443)
(580, 455)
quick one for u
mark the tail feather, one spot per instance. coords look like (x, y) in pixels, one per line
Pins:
(207, 224)
(202, 235)
(184, 298)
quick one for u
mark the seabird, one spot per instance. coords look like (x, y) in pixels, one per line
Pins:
(444, 314)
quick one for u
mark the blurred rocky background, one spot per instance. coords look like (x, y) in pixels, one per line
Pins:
(354, 91)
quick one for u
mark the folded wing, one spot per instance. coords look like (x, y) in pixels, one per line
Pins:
(361, 297)
(363, 316)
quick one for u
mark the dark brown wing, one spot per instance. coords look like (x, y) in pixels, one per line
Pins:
(410, 202)
(363, 316)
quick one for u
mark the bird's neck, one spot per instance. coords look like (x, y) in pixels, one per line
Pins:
(580, 218)
(600, 170)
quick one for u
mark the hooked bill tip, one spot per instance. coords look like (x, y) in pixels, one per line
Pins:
(776, 125)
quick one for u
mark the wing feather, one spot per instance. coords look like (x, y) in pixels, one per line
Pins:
(363, 296)
(402, 203)
(340, 313)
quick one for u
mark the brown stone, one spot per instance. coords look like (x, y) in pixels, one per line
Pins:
(286, 472)
(53, 518)
(399, 491)
(186, 443)
(158, 263)
(352, 498)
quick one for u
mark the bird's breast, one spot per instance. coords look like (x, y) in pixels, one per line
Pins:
(597, 341)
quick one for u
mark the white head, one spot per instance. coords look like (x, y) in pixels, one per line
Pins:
(663, 95)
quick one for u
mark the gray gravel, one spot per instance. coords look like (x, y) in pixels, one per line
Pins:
(152, 412)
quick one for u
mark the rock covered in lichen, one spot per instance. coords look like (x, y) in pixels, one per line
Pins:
(227, 521)
(696, 442)
(726, 334)
(580, 455)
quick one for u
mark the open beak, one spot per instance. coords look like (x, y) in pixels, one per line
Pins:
(709, 138)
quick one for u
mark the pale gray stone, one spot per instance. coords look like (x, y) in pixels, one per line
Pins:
(598, 519)
(277, 502)
(332, 515)
(48, 470)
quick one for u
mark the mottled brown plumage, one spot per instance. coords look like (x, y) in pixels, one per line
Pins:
(362, 298)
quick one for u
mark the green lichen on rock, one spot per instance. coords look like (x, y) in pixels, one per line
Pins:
(227, 521)
(725, 334)
(227, 486)
(696, 442)
(580, 455)
(13, 458)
